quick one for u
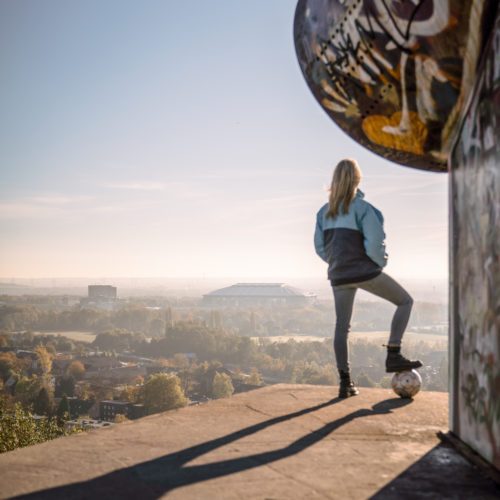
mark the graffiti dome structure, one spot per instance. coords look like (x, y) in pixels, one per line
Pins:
(393, 74)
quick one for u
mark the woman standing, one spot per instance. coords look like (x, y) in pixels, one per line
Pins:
(349, 237)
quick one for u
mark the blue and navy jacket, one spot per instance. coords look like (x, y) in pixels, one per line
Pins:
(353, 244)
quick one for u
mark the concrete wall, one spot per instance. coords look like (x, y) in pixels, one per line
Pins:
(475, 264)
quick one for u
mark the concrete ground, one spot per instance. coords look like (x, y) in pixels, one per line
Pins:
(279, 442)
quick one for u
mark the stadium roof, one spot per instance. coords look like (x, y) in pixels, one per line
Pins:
(281, 290)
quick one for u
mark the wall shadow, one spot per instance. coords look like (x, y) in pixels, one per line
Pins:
(440, 473)
(154, 478)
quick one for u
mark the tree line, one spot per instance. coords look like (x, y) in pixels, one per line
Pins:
(253, 321)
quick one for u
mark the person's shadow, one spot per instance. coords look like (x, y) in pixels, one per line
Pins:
(152, 479)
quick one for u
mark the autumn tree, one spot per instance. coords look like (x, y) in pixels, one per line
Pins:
(186, 378)
(181, 361)
(255, 377)
(204, 375)
(44, 359)
(139, 380)
(222, 386)
(63, 411)
(116, 339)
(65, 386)
(27, 389)
(8, 364)
(76, 370)
(43, 403)
(82, 391)
(64, 344)
(129, 393)
(19, 428)
(120, 418)
(162, 392)
(51, 349)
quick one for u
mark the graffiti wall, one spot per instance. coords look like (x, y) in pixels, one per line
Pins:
(393, 74)
(475, 267)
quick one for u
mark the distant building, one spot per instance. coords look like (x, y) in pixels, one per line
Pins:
(136, 411)
(155, 369)
(102, 292)
(108, 410)
(123, 374)
(96, 363)
(100, 297)
(77, 406)
(258, 294)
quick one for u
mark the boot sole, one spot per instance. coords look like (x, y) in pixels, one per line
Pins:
(402, 368)
(348, 395)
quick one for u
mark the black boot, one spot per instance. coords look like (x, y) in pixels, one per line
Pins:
(346, 386)
(396, 362)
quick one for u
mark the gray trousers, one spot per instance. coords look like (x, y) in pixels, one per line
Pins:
(382, 286)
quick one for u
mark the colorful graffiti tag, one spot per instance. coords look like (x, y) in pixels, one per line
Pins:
(393, 74)
(475, 249)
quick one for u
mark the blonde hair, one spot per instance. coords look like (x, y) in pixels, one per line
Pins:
(345, 180)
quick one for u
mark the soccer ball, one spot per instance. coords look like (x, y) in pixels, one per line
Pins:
(406, 384)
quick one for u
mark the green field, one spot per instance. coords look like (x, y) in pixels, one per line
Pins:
(285, 338)
(368, 336)
(72, 335)
(408, 336)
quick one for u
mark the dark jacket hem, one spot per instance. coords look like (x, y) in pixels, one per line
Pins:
(358, 279)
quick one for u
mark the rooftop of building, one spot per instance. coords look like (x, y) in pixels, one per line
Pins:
(281, 290)
(116, 402)
(281, 441)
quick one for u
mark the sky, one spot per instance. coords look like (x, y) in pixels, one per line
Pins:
(179, 139)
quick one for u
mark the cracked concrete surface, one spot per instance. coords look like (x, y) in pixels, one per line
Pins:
(278, 442)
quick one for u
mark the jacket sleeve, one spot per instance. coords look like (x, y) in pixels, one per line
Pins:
(319, 239)
(372, 226)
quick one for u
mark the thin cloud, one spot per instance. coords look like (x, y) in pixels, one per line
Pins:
(41, 206)
(289, 201)
(261, 173)
(59, 200)
(139, 186)
(268, 208)
(15, 210)
(408, 188)
(175, 189)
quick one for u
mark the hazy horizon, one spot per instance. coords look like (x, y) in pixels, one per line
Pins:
(426, 290)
